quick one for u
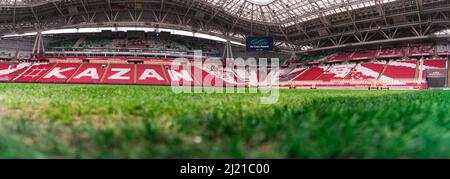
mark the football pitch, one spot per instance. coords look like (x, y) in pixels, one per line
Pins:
(91, 121)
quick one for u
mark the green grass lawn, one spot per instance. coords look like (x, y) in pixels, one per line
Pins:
(89, 121)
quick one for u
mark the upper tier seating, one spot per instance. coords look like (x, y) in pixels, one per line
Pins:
(443, 49)
(421, 51)
(313, 59)
(16, 44)
(339, 57)
(23, 55)
(390, 53)
(136, 43)
(364, 55)
(69, 43)
(7, 54)
(98, 42)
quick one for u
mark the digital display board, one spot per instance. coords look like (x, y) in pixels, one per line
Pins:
(259, 43)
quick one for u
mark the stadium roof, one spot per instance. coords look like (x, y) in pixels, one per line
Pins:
(281, 12)
(296, 23)
(289, 12)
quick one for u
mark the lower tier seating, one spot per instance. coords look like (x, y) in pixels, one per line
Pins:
(400, 70)
(336, 72)
(366, 71)
(405, 72)
(311, 74)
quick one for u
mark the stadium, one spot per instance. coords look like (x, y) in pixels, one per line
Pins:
(348, 79)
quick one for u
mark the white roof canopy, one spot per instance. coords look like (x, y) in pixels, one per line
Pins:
(279, 12)
(288, 12)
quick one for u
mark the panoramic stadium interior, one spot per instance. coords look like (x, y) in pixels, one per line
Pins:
(101, 71)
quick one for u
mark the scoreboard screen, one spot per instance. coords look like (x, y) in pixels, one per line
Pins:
(259, 43)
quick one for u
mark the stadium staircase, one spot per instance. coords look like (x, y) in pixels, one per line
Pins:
(383, 71)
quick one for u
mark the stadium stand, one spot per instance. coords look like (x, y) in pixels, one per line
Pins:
(365, 71)
(35, 72)
(88, 73)
(390, 53)
(119, 74)
(364, 55)
(432, 64)
(7, 54)
(339, 57)
(392, 73)
(443, 49)
(118, 59)
(336, 72)
(10, 71)
(311, 74)
(290, 75)
(400, 70)
(313, 59)
(60, 73)
(421, 51)
(151, 75)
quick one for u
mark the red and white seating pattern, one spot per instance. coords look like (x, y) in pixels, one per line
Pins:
(400, 70)
(311, 74)
(119, 74)
(443, 49)
(365, 55)
(336, 72)
(59, 73)
(405, 72)
(290, 74)
(421, 51)
(390, 53)
(10, 71)
(366, 71)
(432, 64)
(88, 73)
(151, 75)
(339, 57)
(35, 72)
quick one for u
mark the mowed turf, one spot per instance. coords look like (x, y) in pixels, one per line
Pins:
(89, 121)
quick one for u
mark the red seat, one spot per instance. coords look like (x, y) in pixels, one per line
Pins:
(311, 74)
(89, 73)
(119, 74)
(366, 71)
(60, 73)
(151, 75)
(35, 72)
(365, 55)
(421, 51)
(339, 57)
(391, 53)
(401, 70)
(10, 71)
(336, 72)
